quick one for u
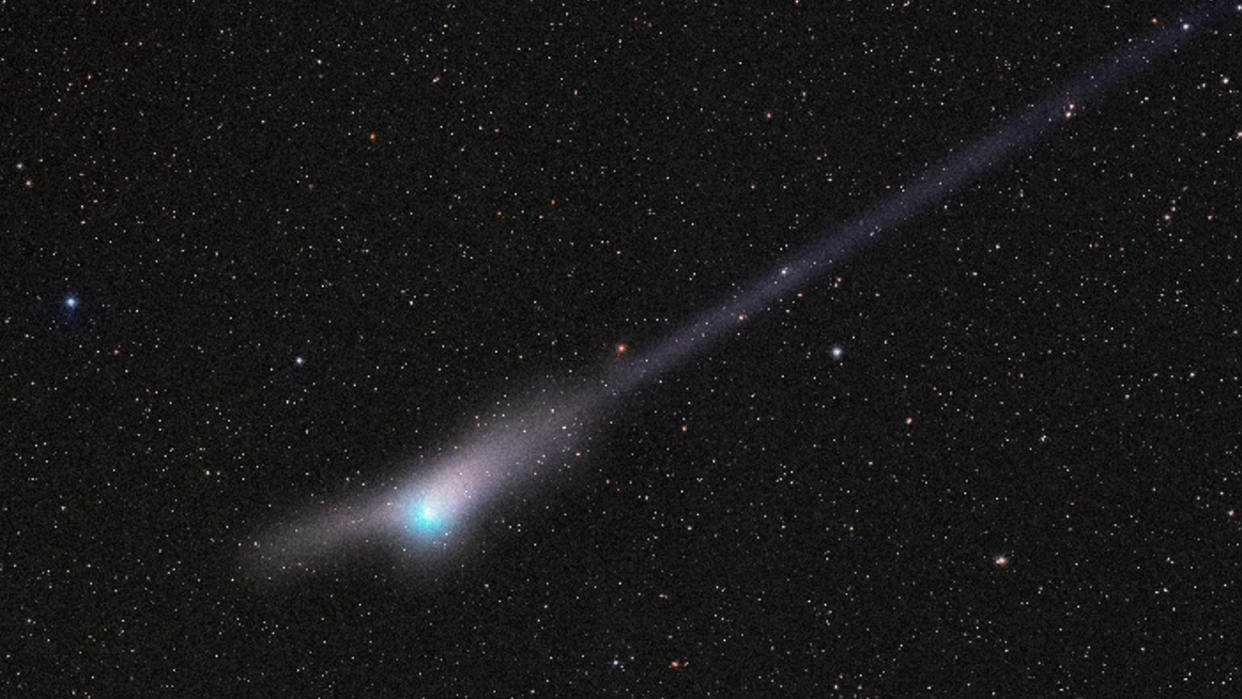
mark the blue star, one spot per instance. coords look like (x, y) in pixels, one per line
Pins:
(71, 302)
(837, 351)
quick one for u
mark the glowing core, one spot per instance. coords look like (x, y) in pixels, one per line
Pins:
(425, 519)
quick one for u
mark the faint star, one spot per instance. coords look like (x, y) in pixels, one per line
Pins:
(299, 360)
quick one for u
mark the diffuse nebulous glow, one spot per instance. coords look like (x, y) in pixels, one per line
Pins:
(499, 461)
(432, 509)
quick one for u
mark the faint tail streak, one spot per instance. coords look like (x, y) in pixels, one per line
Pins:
(838, 244)
(498, 459)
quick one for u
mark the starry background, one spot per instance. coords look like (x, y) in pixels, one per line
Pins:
(255, 258)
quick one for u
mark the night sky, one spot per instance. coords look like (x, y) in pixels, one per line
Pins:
(258, 262)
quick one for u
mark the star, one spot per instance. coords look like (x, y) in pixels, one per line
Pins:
(299, 361)
(837, 351)
(71, 302)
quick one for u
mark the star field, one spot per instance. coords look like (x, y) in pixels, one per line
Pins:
(276, 276)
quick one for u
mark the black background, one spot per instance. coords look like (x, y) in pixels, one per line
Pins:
(1018, 478)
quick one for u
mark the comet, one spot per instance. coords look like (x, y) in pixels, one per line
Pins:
(431, 511)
